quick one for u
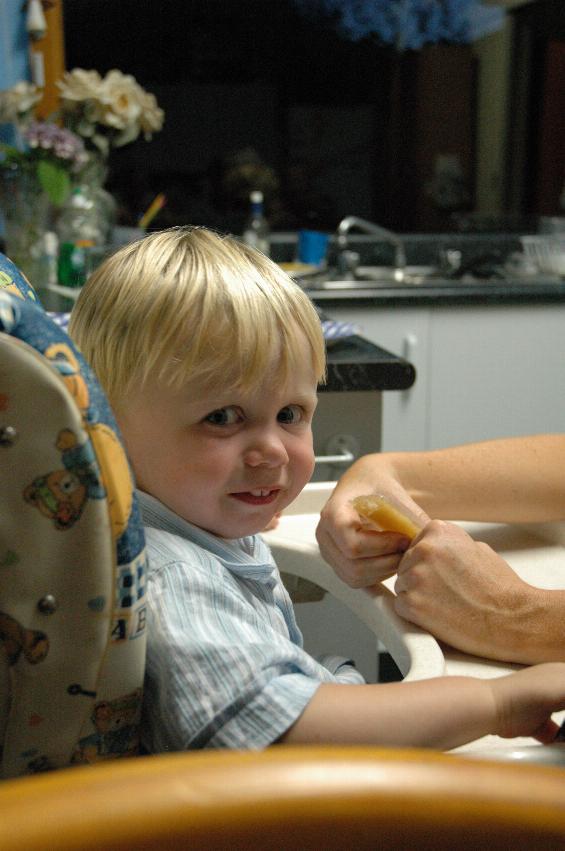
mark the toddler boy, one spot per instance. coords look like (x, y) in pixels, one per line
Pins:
(211, 356)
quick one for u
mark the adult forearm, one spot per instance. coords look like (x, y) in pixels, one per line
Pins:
(536, 633)
(507, 480)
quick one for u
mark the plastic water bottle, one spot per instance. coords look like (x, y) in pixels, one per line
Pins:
(257, 232)
(81, 234)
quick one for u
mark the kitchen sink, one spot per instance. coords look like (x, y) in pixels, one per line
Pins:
(369, 277)
(389, 277)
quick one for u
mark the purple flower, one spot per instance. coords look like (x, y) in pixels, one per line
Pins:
(64, 144)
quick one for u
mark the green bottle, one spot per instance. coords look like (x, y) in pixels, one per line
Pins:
(80, 235)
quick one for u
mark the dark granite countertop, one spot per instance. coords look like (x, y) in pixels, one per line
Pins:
(542, 290)
(356, 364)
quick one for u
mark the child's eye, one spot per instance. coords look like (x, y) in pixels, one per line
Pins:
(224, 416)
(290, 414)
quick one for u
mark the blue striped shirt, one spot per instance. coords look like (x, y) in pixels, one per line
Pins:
(225, 663)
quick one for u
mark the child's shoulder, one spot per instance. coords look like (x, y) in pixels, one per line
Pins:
(165, 548)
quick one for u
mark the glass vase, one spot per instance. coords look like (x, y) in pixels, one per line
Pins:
(28, 214)
(91, 180)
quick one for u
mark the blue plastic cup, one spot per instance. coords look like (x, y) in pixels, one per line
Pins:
(312, 246)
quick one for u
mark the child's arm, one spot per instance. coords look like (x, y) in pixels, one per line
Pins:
(441, 713)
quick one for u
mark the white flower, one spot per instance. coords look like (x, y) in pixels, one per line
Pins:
(120, 102)
(17, 102)
(112, 110)
(152, 116)
(78, 86)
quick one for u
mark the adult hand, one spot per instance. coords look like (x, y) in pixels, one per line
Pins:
(360, 556)
(465, 594)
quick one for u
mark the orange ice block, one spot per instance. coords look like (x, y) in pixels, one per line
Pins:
(387, 515)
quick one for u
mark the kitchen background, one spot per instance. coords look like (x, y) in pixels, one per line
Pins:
(339, 122)
(466, 133)
(435, 129)
(458, 132)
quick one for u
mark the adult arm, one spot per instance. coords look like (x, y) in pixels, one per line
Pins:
(509, 480)
(458, 589)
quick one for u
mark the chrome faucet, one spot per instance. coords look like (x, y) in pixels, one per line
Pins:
(350, 222)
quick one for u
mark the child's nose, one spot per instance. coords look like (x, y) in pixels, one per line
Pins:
(266, 449)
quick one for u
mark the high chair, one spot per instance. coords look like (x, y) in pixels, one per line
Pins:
(72, 553)
(72, 592)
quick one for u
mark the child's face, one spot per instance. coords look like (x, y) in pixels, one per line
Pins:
(226, 460)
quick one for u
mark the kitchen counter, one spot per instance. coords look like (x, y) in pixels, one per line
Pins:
(480, 254)
(355, 364)
(539, 290)
(487, 351)
(488, 355)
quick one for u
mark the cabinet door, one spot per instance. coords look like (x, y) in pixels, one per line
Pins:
(496, 371)
(405, 333)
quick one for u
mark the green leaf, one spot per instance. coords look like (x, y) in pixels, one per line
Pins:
(55, 181)
(10, 152)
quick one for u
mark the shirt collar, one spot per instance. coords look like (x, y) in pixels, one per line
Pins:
(249, 557)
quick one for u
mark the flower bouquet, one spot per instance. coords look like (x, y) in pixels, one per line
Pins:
(69, 148)
(95, 114)
(108, 111)
(105, 112)
(43, 150)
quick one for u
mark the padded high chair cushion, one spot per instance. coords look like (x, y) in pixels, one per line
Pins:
(14, 281)
(72, 556)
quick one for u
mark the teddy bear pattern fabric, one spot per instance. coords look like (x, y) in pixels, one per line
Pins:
(72, 553)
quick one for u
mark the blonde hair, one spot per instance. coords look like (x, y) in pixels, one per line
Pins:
(189, 304)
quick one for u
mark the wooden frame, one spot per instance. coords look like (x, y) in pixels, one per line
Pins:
(49, 52)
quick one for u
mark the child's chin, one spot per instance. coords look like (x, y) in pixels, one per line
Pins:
(232, 531)
(246, 520)
(273, 522)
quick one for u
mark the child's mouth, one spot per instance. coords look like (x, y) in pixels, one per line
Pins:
(258, 496)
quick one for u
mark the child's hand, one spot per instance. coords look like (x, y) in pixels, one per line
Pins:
(525, 700)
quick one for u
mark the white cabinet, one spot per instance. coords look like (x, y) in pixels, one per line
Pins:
(481, 371)
(496, 371)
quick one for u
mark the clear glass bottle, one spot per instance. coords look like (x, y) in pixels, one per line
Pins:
(257, 232)
(81, 234)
